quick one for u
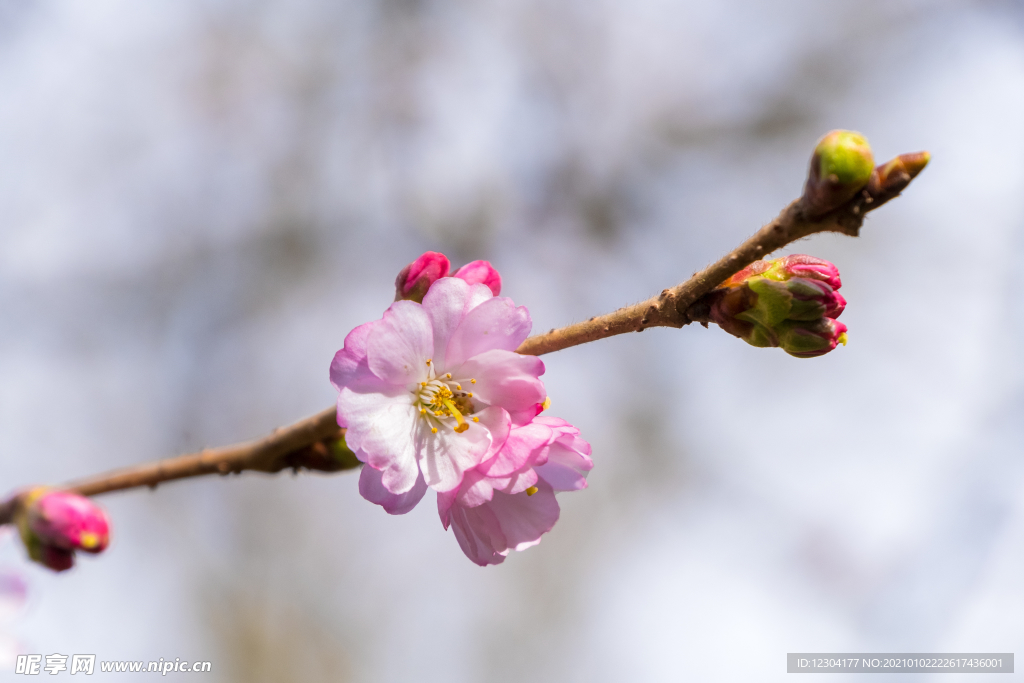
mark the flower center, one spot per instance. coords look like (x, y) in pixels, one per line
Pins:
(438, 400)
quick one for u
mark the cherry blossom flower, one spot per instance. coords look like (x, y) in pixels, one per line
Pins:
(431, 390)
(508, 502)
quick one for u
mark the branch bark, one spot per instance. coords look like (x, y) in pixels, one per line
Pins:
(316, 443)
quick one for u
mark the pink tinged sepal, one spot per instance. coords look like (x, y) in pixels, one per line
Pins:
(372, 489)
(480, 272)
(415, 279)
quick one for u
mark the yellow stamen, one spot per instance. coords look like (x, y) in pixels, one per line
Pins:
(472, 381)
(89, 540)
(532, 490)
(423, 411)
(546, 404)
(842, 339)
(476, 419)
(470, 394)
(423, 384)
(459, 387)
(433, 430)
(461, 426)
(428, 361)
(448, 375)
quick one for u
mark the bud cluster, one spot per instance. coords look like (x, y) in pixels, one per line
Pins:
(54, 524)
(415, 279)
(790, 302)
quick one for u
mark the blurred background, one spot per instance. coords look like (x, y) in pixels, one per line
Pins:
(200, 198)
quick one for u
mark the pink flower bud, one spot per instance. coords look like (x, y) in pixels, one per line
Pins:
(802, 265)
(53, 524)
(415, 279)
(68, 521)
(480, 272)
(810, 339)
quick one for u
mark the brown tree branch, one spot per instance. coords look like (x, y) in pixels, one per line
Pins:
(306, 443)
(671, 307)
(317, 443)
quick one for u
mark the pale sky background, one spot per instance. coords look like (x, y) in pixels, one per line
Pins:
(198, 200)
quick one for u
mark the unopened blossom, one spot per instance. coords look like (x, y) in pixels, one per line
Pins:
(54, 524)
(431, 390)
(480, 272)
(508, 502)
(894, 175)
(841, 165)
(415, 279)
(789, 302)
(808, 339)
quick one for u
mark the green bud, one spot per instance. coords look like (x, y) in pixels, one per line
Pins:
(841, 165)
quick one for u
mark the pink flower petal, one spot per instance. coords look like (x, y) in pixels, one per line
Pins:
(495, 324)
(566, 469)
(520, 448)
(524, 518)
(478, 532)
(380, 431)
(446, 454)
(350, 369)
(447, 304)
(477, 488)
(445, 500)
(373, 490)
(521, 481)
(399, 345)
(487, 532)
(506, 379)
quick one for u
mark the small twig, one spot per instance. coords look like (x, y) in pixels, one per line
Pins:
(315, 443)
